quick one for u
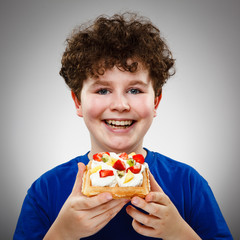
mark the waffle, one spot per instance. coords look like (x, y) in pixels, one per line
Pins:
(116, 191)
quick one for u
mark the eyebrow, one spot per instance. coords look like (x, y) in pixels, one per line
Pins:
(107, 83)
(138, 82)
(101, 82)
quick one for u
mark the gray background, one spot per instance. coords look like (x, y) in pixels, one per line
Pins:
(198, 118)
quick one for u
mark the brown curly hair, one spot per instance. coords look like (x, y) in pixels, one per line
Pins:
(112, 41)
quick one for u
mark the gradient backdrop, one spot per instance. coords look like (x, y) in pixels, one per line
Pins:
(198, 119)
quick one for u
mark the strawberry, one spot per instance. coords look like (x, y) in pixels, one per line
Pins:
(138, 158)
(105, 173)
(119, 165)
(124, 156)
(98, 156)
(135, 169)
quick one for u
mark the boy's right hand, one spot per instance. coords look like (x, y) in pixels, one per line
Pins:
(82, 216)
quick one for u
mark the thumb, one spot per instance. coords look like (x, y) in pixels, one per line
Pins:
(153, 183)
(79, 178)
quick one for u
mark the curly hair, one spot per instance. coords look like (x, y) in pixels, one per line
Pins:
(112, 41)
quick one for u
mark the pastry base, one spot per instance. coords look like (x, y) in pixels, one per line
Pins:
(117, 192)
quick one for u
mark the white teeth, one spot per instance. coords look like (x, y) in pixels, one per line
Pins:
(119, 123)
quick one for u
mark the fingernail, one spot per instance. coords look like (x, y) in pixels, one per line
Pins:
(135, 201)
(148, 198)
(108, 196)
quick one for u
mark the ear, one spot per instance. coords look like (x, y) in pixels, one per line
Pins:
(77, 104)
(156, 103)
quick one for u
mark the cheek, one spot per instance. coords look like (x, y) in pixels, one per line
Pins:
(93, 108)
(145, 107)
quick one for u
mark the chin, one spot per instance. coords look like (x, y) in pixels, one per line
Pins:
(122, 147)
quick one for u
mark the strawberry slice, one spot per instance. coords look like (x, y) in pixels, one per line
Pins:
(124, 156)
(105, 173)
(139, 158)
(135, 169)
(98, 156)
(119, 165)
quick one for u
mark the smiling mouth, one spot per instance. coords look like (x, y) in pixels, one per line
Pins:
(119, 124)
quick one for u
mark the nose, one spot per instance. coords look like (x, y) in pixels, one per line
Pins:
(119, 103)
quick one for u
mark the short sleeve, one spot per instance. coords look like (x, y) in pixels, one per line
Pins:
(205, 215)
(33, 222)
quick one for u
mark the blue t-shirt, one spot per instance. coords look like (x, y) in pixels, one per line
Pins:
(189, 192)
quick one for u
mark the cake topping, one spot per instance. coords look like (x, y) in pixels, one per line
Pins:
(105, 173)
(100, 156)
(95, 169)
(129, 177)
(138, 158)
(119, 165)
(134, 169)
(110, 169)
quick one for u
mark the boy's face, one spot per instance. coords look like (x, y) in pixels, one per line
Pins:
(118, 109)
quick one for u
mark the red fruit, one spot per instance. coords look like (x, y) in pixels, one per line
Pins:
(135, 169)
(106, 173)
(119, 165)
(124, 156)
(139, 158)
(98, 156)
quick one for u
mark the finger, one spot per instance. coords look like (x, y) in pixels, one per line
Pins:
(87, 203)
(142, 229)
(155, 209)
(106, 207)
(102, 219)
(77, 188)
(158, 197)
(153, 183)
(141, 203)
(143, 218)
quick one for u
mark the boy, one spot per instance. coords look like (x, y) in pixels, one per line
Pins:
(115, 69)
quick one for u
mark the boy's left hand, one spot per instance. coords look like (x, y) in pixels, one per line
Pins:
(163, 219)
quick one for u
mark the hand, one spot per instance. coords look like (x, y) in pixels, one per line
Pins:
(82, 216)
(163, 220)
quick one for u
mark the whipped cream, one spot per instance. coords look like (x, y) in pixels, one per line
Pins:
(135, 182)
(109, 181)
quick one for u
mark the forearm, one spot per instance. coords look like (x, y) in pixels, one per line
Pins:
(187, 233)
(56, 232)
